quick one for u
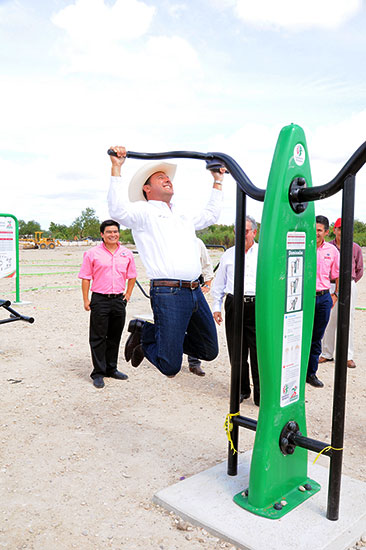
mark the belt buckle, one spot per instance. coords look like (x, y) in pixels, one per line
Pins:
(191, 285)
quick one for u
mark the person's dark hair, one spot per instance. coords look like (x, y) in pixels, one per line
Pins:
(107, 223)
(147, 182)
(324, 221)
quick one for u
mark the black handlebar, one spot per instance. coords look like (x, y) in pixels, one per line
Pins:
(232, 166)
(296, 194)
(352, 166)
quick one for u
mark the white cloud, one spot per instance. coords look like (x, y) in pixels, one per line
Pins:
(328, 14)
(338, 141)
(114, 41)
(97, 36)
(330, 147)
(14, 15)
(253, 145)
(177, 10)
(116, 80)
(89, 23)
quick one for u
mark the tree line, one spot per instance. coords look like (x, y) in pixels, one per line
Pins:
(84, 226)
(87, 226)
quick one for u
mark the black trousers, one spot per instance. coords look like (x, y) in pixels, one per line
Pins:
(107, 319)
(249, 343)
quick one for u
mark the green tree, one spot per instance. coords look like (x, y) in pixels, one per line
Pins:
(86, 225)
(28, 228)
(359, 232)
(125, 236)
(60, 231)
(218, 234)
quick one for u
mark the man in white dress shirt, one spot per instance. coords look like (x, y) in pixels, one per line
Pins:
(224, 285)
(166, 240)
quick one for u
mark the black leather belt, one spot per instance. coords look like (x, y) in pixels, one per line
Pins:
(109, 295)
(246, 299)
(175, 284)
(322, 292)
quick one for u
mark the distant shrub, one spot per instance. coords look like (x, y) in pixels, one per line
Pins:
(125, 236)
(220, 234)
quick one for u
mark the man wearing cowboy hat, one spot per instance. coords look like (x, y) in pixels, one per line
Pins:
(166, 240)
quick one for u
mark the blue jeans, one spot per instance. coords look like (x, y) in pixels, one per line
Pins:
(323, 306)
(183, 323)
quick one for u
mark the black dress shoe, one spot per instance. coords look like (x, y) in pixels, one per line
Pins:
(197, 370)
(313, 380)
(118, 375)
(135, 328)
(98, 382)
(137, 356)
(244, 396)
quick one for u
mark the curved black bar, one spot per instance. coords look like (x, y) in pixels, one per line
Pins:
(352, 166)
(142, 290)
(235, 170)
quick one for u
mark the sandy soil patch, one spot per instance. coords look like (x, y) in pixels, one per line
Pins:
(79, 466)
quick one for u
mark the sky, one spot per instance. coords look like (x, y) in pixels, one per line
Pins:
(158, 75)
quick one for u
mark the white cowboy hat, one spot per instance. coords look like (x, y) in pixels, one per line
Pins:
(143, 174)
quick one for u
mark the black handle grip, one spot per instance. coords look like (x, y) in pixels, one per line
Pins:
(111, 153)
(214, 166)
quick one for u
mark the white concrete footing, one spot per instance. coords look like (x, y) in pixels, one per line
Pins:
(206, 500)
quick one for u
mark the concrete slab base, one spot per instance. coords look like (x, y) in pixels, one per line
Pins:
(206, 500)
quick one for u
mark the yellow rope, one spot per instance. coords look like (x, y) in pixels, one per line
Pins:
(328, 448)
(228, 425)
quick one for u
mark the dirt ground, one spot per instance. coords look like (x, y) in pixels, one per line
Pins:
(79, 466)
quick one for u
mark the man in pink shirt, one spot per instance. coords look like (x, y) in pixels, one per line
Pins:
(329, 340)
(327, 268)
(109, 265)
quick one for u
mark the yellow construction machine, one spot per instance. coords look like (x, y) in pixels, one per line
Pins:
(38, 241)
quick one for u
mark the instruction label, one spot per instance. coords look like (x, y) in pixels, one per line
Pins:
(7, 247)
(293, 318)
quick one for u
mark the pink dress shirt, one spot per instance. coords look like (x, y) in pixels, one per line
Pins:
(108, 271)
(327, 265)
(357, 261)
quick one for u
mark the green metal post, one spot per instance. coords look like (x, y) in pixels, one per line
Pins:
(285, 301)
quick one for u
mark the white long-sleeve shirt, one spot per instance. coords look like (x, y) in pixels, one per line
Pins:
(164, 236)
(224, 281)
(206, 265)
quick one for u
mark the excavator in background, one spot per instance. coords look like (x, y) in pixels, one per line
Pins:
(38, 241)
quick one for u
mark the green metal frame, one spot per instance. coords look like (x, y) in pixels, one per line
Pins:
(17, 274)
(284, 321)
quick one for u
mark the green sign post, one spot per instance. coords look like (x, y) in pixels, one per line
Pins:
(9, 250)
(285, 301)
